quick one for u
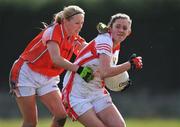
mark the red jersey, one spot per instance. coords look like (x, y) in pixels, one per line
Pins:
(36, 53)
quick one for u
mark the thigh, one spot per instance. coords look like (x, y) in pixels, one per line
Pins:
(53, 101)
(100, 103)
(111, 117)
(25, 91)
(28, 108)
(90, 119)
(45, 89)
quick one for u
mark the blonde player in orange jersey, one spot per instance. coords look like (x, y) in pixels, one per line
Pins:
(36, 72)
(90, 103)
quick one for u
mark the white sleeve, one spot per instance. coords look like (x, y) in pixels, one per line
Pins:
(104, 44)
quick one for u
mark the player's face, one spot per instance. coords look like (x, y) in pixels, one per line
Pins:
(121, 28)
(74, 25)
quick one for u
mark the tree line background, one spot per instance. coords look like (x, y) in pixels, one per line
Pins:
(155, 36)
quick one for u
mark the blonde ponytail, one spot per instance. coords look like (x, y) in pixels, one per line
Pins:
(102, 28)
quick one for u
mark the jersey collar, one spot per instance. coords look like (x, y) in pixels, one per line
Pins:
(116, 48)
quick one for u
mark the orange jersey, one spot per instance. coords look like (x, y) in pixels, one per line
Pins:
(37, 55)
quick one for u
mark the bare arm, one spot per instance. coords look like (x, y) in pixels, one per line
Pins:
(107, 71)
(57, 59)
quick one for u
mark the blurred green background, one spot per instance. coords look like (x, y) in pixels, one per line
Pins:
(155, 36)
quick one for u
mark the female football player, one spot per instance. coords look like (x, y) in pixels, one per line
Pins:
(36, 72)
(89, 102)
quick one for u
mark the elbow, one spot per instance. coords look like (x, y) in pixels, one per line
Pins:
(55, 61)
(103, 74)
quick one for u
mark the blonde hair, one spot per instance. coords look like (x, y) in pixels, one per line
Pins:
(68, 13)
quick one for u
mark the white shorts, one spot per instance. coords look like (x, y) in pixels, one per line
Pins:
(97, 104)
(31, 83)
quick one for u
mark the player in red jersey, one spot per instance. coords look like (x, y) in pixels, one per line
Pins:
(37, 70)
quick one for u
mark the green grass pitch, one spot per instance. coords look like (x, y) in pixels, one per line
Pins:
(144, 122)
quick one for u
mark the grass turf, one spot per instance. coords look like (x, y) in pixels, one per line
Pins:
(131, 122)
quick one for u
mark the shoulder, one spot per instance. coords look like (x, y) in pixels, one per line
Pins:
(52, 28)
(104, 44)
(52, 33)
(104, 38)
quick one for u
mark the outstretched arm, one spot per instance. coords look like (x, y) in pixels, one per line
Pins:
(57, 59)
(106, 70)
